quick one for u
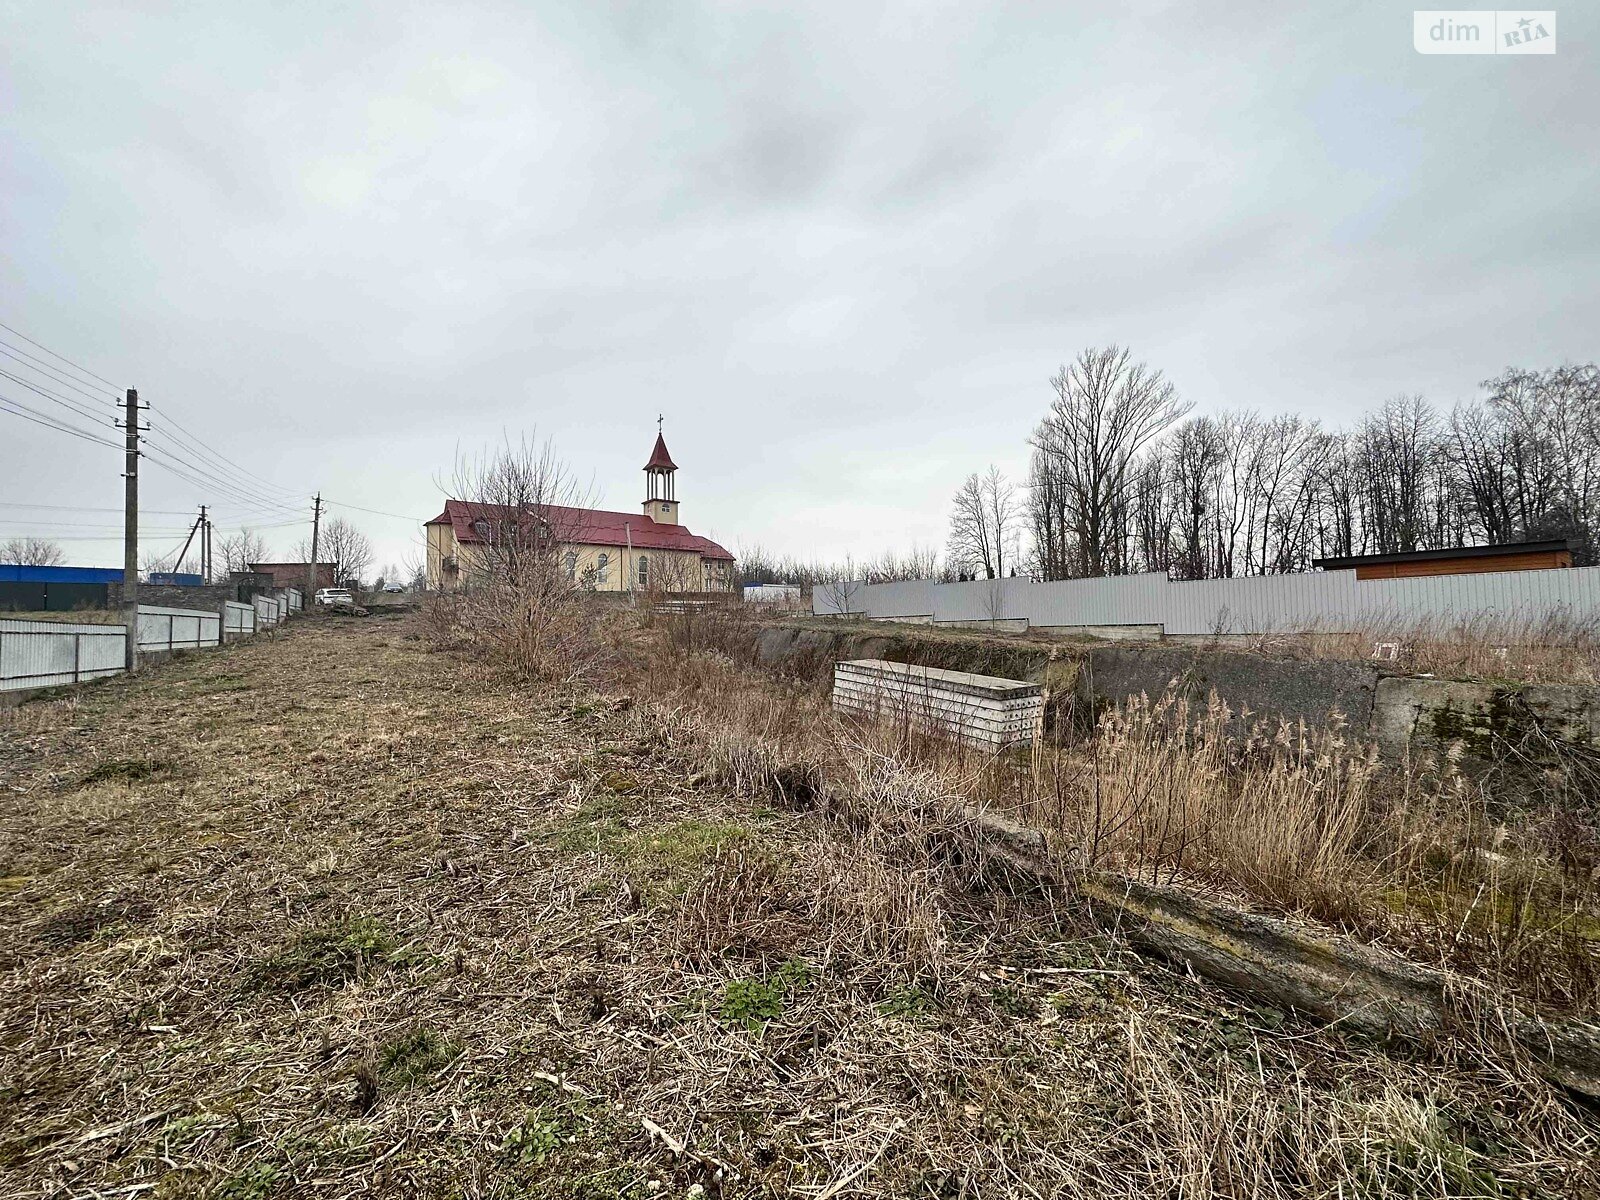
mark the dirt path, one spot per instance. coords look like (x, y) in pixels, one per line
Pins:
(324, 914)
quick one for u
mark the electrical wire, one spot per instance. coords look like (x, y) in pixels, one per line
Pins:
(62, 357)
(237, 492)
(205, 451)
(262, 490)
(65, 401)
(11, 351)
(374, 511)
(19, 409)
(161, 512)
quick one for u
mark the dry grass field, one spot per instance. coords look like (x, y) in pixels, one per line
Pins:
(329, 914)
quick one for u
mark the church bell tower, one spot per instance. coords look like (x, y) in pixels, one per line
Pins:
(661, 491)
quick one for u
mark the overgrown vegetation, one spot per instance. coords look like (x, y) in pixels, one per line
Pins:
(1560, 648)
(1496, 874)
(941, 1028)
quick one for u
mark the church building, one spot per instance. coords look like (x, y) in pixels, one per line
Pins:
(599, 550)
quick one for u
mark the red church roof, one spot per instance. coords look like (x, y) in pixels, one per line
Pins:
(587, 526)
(660, 460)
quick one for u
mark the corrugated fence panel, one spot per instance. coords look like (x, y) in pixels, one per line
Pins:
(47, 653)
(1119, 600)
(1255, 604)
(981, 600)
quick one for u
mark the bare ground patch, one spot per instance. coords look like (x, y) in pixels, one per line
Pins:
(376, 926)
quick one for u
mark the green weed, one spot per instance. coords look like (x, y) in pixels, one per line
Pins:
(415, 1056)
(327, 955)
(754, 1002)
(125, 770)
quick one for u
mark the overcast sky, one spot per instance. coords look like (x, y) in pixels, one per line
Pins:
(841, 247)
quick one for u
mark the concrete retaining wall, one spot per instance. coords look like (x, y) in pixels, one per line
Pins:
(1400, 713)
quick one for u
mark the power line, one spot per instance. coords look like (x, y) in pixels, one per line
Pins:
(19, 409)
(377, 512)
(196, 445)
(161, 512)
(237, 491)
(67, 401)
(7, 349)
(222, 460)
(62, 357)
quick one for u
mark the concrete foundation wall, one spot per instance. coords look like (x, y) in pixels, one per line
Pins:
(1491, 722)
(1312, 692)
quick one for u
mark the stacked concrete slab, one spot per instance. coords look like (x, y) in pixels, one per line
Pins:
(983, 710)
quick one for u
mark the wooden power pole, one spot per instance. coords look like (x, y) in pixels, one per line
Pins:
(130, 532)
(311, 569)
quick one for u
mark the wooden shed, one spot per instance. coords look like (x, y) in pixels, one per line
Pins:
(1457, 560)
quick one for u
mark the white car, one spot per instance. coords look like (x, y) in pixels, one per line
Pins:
(327, 596)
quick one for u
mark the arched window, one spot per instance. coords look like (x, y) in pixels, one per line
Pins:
(644, 571)
(572, 565)
(602, 568)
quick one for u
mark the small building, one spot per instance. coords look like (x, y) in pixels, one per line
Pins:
(1457, 560)
(598, 549)
(293, 575)
(25, 588)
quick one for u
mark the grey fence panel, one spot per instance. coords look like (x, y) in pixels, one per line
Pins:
(178, 628)
(981, 600)
(266, 611)
(906, 598)
(283, 606)
(1256, 604)
(1260, 603)
(296, 600)
(239, 619)
(1120, 600)
(1511, 597)
(47, 653)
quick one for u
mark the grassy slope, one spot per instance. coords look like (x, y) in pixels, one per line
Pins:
(322, 914)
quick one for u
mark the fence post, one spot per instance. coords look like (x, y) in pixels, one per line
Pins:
(77, 657)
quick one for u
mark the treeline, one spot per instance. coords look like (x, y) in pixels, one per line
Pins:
(1123, 479)
(755, 564)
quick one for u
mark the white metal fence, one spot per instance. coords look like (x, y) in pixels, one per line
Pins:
(36, 654)
(46, 653)
(239, 620)
(1257, 604)
(178, 628)
(267, 611)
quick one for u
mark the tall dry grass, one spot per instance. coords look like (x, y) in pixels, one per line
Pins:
(1164, 787)
(1557, 648)
(1301, 821)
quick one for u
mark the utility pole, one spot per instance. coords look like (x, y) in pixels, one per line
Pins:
(205, 546)
(130, 532)
(311, 569)
(199, 522)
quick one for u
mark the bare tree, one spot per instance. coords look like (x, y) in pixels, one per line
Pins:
(343, 545)
(1107, 409)
(31, 552)
(984, 520)
(240, 549)
(521, 603)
